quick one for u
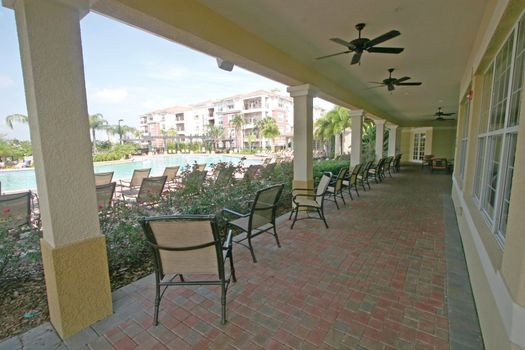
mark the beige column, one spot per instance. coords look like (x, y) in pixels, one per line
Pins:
(380, 137)
(303, 134)
(357, 124)
(73, 250)
(392, 139)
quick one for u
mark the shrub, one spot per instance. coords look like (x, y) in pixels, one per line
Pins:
(332, 166)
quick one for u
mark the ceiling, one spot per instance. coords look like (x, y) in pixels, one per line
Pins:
(437, 37)
(287, 36)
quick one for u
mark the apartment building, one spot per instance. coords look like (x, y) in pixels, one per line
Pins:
(191, 122)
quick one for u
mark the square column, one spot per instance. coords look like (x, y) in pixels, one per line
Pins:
(380, 136)
(357, 125)
(392, 139)
(73, 250)
(303, 134)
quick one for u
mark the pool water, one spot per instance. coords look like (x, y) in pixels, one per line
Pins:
(25, 178)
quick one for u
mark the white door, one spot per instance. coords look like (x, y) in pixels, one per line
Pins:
(417, 152)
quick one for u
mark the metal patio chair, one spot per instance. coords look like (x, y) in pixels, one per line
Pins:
(335, 188)
(188, 247)
(260, 219)
(171, 175)
(351, 180)
(311, 202)
(103, 178)
(376, 170)
(363, 175)
(397, 163)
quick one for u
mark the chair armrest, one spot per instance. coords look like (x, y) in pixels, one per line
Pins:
(233, 212)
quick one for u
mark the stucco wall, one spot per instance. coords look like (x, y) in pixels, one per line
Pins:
(443, 142)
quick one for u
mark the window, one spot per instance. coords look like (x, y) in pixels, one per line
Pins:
(499, 119)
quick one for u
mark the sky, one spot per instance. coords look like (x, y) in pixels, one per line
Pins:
(128, 72)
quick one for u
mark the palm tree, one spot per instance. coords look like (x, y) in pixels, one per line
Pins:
(215, 133)
(16, 118)
(324, 132)
(341, 120)
(270, 130)
(237, 122)
(96, 122)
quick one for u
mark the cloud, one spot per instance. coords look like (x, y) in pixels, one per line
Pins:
(110, 95)
(164, 71)
(6, 82)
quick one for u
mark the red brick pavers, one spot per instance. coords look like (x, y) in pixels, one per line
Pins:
(374, 280)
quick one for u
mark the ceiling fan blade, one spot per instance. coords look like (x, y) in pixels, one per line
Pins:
(448, 114)
(356, 58)
(385, 49)
(340, 41)
(400, 80)
(332, 55)
(376, 82)
(390, 87)
(410, 84)
(374, 87)
(387, 36)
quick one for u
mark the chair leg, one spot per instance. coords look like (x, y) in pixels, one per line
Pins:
(321, 214)
(291, 213)
(335, 200)
(223, 303)
(251, 248)
(356, 191)
(232, 268)
(157, 304)
(350, 192)
(343, 198)
(275, 235)
(295, 218)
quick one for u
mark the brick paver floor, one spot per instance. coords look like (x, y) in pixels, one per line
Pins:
(376, 279)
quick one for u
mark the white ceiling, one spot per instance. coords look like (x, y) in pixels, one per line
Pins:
(437, 36)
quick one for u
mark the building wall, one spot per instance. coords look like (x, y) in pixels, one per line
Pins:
(443, 142)
(496, 262)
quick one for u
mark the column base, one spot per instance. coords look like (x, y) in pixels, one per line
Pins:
(77, 284)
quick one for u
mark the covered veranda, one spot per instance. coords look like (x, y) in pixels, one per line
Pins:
(280, 42)
(396, 282)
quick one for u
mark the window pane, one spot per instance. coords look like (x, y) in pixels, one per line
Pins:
(485, 99)
(509, 172)
(501, 86)
(494, 159)
(480, 158)
(517, 79)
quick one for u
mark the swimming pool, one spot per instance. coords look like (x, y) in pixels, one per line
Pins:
(13, 180)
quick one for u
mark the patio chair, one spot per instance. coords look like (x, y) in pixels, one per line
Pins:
(397, 163)
(363, 175)
(335, 188)
(225, 176)
(136, 179)
(188, 247)
(387, 166)
(260, 219)
(427, 160)
(103, 178)
(351, 180)
(439, 164)
(199, 167)
(267, 170)
(195, 179)
(251, 172)
(376, 170)
(16, 212)
(105, 195)
(149, 192)
(311, 202)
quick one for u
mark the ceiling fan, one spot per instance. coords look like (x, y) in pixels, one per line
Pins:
(440, 114)
(360, 45)
(391, 83)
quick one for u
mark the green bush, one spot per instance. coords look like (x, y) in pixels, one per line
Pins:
(116, 152)
(333, 166)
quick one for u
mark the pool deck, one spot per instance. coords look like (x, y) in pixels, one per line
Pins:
(389, 273)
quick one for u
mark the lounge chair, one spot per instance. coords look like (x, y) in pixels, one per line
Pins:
(103, 178)
(105, 195)
(251, 172)
(199, 167)
(136, 179)
(260, 219)
(311, 202)
(171, 175)
(188, 247)
(335, 188)
(17, 214)
(363, 175)
(149, 192)
(225, 176)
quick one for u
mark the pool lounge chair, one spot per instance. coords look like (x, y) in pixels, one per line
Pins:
(105, 195)
(149, 192)
(103, 178)
(17, 212)
(136, 179)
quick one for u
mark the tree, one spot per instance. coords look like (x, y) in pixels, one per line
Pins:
(16, 118)
(270, 130)
(237, 122)
(124, 129)
(324, 132)
(341, 121)
(250, 138)
(215, 133)
(96, 122)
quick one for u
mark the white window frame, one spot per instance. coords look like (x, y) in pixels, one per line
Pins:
(494, 220)
(465, 118)
(428, 142)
